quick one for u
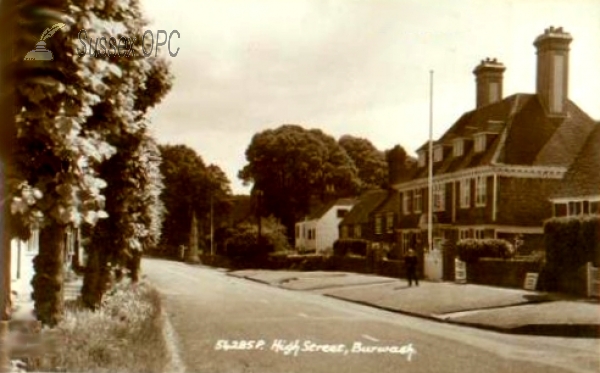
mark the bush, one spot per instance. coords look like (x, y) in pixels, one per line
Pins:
(124, 335)
(572, 241)
(471, 250)
(344, 247)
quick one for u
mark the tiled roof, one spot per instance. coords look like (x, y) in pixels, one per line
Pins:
(521, 133)
(391, 204)
(322, 210)
(583, 178)
(367, 202)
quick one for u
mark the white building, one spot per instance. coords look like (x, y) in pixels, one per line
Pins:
(319, 231)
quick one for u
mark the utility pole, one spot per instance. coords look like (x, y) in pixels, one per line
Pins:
(212, 228)
(430, 183)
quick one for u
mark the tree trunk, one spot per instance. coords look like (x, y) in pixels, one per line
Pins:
(134, 266)
(48, 279)
(96, 278)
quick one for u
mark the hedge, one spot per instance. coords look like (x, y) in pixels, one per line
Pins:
(470, 250)
(345, 247)
(572, 241)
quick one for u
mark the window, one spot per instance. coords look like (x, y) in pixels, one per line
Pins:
(458, 148)
(406, 207)
(417, 200)
(357, 231)
(378, 224)
(341, 213)
(310, 234)
(595, 207)
(575, 208)
(560, 209)
(439, 197)
(344, 231)
(464, 234)
(465, 193)
(422, 158)
(479, 234)
(480, 191)
(389, 222)
(480, 142)
(438, 154)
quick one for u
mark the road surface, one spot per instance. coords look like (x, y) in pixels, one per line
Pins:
(221, 324)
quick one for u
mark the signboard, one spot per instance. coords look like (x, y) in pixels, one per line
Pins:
(531, 280)
(460, 271)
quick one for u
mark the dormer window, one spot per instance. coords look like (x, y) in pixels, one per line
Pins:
(422, 158)
(458, 147)
(480, 142)
(438, 153)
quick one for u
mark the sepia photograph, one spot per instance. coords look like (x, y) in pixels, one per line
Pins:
(299, 186)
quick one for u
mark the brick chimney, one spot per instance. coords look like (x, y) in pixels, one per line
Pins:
(488, 76)
(552, 84)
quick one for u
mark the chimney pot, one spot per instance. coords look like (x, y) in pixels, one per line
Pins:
(488, 81)
(553, 69)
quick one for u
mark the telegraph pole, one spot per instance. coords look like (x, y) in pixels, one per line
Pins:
(430, 183)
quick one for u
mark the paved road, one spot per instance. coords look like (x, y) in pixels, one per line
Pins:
(223, 324)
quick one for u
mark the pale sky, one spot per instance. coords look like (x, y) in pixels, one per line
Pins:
(351, 67)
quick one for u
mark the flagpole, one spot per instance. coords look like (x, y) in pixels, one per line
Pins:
(430, 183)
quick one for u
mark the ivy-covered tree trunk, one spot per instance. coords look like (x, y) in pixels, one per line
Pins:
(134, 266)
(48, 279)
(96, 278)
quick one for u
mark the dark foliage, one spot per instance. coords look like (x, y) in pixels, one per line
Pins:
(471, 250)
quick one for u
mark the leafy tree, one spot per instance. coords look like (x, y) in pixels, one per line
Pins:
(133, 174)
(246, 248)
(53, 178)
(189, 187)
(370, 162)
(293, 166)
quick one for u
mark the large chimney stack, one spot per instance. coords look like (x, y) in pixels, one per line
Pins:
(552, 84)
(488, 76)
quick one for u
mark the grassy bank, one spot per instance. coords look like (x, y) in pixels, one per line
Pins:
(125, 335)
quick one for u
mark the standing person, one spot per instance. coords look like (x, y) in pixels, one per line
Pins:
(410, 262)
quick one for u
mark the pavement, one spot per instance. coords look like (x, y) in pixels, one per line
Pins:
(503, 310)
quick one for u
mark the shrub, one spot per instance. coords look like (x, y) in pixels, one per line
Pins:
(470, 250)
(572, 241)
(344, 247)
(124, 335)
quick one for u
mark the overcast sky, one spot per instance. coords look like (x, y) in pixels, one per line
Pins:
(351, 67)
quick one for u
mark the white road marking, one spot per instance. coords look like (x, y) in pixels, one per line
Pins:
(372, 339)
(264, 301)
(303, 315)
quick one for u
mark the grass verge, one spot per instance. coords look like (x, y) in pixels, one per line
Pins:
(124, 335)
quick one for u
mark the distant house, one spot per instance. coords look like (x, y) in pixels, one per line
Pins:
(385, 218)
(579, 192)
(22, 255)
(319, 230)
(496, 168)
(357, 223)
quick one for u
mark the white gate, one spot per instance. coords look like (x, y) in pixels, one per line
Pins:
(434, 262)
(593, 281)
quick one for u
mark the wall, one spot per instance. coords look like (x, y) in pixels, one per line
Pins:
(524, 202)
(327, 228)
(22, 255)
(502, 273)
